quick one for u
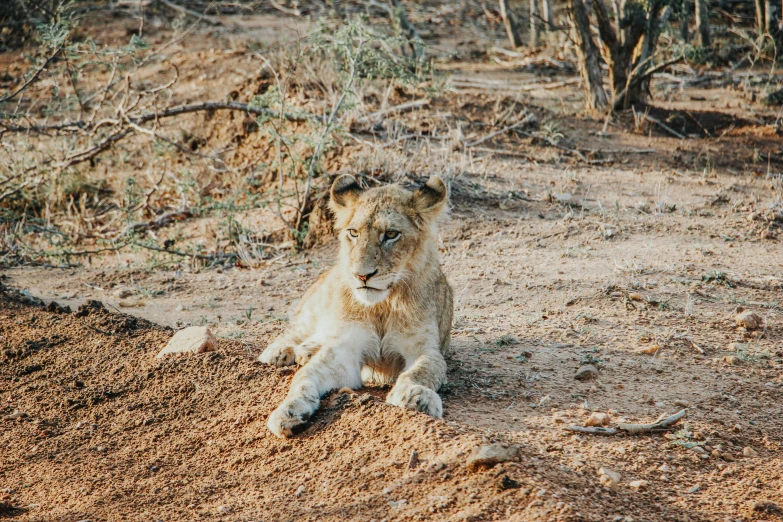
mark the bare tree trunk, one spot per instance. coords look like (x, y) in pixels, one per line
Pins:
(548, 15)
(686, 19)
(587, 54)
(512, 26)
(703, 23)
(535, 24)
(759, 15)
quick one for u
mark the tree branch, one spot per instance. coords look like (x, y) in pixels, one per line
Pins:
(32, 78)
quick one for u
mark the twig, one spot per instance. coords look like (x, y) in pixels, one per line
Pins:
(32, 78)
(555, 144)
(403, 107)
(664, 127)
(286, 10)
(526, 119)
(666, 424)
(160, 221)
(211, 19)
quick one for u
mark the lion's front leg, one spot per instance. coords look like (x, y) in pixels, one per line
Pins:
(337, 364)
(416, 387)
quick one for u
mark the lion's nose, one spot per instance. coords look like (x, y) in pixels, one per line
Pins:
(364, 277)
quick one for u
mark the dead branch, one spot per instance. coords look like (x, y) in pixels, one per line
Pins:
(32, 78)
(528, 117)
(161, 221)
(286, 10)
(666, 424)
(665, 127)
(403, 107)
(209, 19)
(173, 111)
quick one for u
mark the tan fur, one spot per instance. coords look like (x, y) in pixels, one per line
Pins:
(392, 326)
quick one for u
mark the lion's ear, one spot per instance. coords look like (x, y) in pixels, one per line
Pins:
(430, 199)
(345, 191)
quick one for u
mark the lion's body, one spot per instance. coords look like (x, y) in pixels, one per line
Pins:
(383, 313)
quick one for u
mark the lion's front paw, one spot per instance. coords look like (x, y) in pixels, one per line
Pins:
(417, 397)
(278, 353)
(285, 419)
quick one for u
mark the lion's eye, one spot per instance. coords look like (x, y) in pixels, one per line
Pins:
(390, 234)
(353, 232)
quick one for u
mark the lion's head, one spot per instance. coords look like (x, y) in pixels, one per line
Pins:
(386, 234)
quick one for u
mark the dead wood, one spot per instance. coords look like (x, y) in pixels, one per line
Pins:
(662, 425)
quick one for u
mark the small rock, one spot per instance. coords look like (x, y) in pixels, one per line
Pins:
(694, 489)
(488, 455)
(16, 415)
(660, 404)
(650, 350)
(300, 491)
(180, 308)
(413, 461)
(731, 359)
(768, 507)
(608, 478)
(664, 468)
(682, 403)
(635, 296)
(748, 320)
(194, 339)
(563, 197)
(122, 293)
(508, 483)
(609, 233)
(733, 347)
(747, 451)
(699, 450)
(224, 509)
(586, 373)
(638, 484)
(598, 419)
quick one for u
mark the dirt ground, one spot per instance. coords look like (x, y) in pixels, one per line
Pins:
(626, 248)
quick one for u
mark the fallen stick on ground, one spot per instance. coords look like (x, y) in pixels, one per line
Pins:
(665, 127)
(666, 424)
(404, 107)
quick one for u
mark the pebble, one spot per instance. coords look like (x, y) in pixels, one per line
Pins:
(731, 359)
(638, 484)
(17, 414)
(224, 509)
(650, 350)
(608, 478)
(748, 320)
(699, 450)
(664, 467)
(598, 419)
(122, 293)
(635, 296)
(300, 490)
(747, 451)
(682, 403)
(694, 489)
(193, 339)
(489, 455)
(586, 373)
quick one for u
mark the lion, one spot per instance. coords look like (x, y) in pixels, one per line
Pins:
(381, 314)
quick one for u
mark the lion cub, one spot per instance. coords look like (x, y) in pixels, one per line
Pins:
(383, 313)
